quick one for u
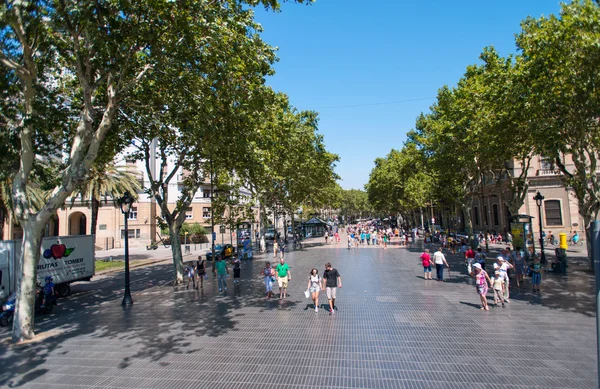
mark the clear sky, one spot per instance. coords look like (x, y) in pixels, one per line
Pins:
(347, 58)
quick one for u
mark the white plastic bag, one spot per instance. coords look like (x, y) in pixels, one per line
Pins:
(306, 293)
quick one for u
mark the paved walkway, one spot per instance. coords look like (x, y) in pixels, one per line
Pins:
(393, 330)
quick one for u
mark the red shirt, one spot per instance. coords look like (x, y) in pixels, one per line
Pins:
(426, 259)
(470, 253)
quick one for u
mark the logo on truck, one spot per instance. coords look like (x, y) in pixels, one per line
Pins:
(58, 251)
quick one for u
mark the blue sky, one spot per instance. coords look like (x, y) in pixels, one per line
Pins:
(339, 56)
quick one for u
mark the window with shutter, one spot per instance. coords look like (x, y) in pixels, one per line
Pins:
(553, 213)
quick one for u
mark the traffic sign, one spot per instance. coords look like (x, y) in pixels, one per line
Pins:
(214, 236)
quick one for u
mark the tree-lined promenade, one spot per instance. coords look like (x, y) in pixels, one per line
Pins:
(544, 100)
(84, 80)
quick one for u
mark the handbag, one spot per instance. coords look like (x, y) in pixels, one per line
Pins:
(306, 293)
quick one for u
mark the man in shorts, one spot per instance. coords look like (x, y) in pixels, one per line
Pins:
(331, 281)
(283, 276)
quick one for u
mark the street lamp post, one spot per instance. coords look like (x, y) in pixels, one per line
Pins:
(125, 204)
(538, 201)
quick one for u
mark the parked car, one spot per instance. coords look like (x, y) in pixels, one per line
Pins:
(225, 251)
(270, 234)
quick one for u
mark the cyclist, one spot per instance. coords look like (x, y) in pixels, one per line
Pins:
(575, 238)
(551, 239)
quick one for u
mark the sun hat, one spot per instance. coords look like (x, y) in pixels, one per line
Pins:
(477, 265)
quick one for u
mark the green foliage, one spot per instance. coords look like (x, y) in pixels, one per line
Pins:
(561, 58)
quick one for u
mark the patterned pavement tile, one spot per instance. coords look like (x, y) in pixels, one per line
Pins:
(392, 330)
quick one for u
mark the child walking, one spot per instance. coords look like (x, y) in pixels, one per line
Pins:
(236, 270)
(189, 272)
(536, 274)
(498, 284)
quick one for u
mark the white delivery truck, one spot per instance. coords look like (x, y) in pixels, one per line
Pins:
(66, 258)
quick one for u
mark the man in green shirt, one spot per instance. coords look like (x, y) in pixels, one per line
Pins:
(222, 273)
(283, 276)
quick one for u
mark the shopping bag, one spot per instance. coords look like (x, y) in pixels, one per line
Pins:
(306, 293)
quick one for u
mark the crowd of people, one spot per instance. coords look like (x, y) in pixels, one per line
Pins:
(508, 267)
(508, 264)
(371, 234)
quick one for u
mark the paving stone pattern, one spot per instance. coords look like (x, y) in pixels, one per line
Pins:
(393, 329)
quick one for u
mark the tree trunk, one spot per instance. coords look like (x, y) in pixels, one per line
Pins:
(94, 221)
(26, 284)
(177, 255)
(466, 208)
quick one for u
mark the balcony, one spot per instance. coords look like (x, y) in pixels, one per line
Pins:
(547, 172)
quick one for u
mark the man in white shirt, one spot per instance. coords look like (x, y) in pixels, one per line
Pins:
(502, 265)
(440, 260)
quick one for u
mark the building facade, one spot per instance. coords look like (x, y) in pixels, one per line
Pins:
(560, 209)
(75, 217)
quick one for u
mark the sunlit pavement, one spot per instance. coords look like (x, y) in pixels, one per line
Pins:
(393, 329)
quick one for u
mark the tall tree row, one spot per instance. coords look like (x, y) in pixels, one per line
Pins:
(79, 75)
(544, 100)
(484, 131)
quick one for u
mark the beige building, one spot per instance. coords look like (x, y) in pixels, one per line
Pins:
(142, 224)
(560, 210)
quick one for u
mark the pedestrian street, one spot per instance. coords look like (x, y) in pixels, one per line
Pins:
(391, 329)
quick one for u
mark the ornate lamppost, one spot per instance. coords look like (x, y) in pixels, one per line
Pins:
(125, 204)
(538, 201)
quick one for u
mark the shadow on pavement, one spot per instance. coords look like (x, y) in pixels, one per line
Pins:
(157, 325)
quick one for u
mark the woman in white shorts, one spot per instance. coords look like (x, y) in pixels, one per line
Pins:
(314, 286)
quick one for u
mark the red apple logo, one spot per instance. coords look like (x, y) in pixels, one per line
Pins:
(58, 250)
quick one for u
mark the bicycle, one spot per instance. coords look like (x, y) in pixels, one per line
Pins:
(550, 241)
(578, 243)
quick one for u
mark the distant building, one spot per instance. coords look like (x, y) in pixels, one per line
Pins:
(560, 209)
(142, 224)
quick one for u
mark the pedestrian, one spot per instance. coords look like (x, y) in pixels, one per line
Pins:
(469, 256)
(337, 237)
(502, 265)
(282, 249)
(385, 240)
(331, 281)
(314, 286)
(200, 272)
(519, 267)
(480, 258)
(368, 238)
(283, 277)
(190, 275)
(356, 241)
(222, 273)
(263, 244)
(536, 274)
(349, 242)
(481, 284)
(236, 270)
(440, 260)
(274, 248)
(426, 261)
(267, 274)
(498, 285)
